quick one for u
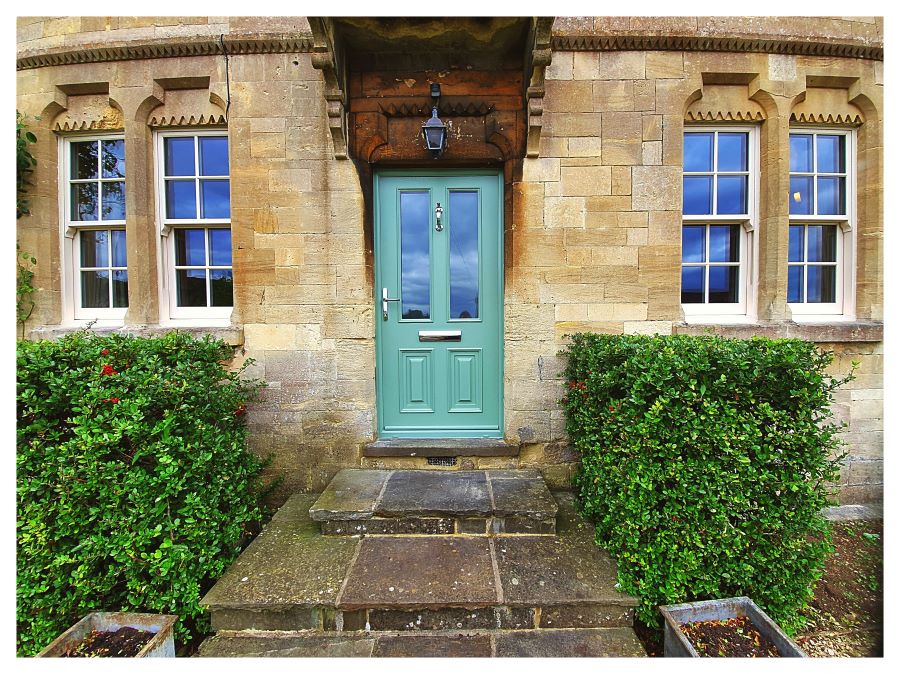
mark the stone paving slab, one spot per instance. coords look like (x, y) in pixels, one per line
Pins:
(421, 571)
(610, 642)
(289, 564)
(351, 495)
(421, 492)
(616, 642)
(529, 496)
(558, 570)
(429, 646)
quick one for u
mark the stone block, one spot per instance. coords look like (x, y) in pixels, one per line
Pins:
(585, 180)
(586, 65)
(636, 236)
(615, 255)
(613, 95)
(652, 127)
(353, 322)
(622, 65)
(656, 188)
(564, 212)
(621, 180)
(561, 67)
(645, 95)
(617, 312)
(651, 153)
(540, 170)
(664, 64)
(621, 138)
(572, 124)
(584, 147)
(569, 96)
(290, 179)
(648, 327)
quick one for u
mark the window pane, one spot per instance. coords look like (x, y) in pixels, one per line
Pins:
(113, 201)
(179, 156)
(213, 156)
(830, 154)
(181, 199)
(113, 161)
(84, 202)
(732, 197)
(795, 283)
(464, 255)
(723, 285)
(84, 160)
(215, 202)
(698, 195)
(801, 153)
(693, 243)
(415, 264)
(692, 285)
(189, 244)
(220, 247)
(95, 289)
(724, 244)
(795, 244)
(732, 152)
(801, 195)
(119, 256)
(190, 287)
(120, 289)
(831, 196)
(221, 287)
(820, 283)
(94, 249)
(821, 243)
(698, 152)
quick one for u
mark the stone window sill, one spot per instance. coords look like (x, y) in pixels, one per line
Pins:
(849, 331)
(233, 335)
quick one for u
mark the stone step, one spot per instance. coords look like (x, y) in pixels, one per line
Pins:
(436, 502)
(550, 643)
(294, 578)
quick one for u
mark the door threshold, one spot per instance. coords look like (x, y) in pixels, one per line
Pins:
(440, 447)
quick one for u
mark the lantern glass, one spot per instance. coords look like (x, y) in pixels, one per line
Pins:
(434, 137)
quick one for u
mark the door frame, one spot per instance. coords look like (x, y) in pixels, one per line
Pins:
(376, 291)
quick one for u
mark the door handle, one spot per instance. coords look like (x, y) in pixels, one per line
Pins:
(384, 302)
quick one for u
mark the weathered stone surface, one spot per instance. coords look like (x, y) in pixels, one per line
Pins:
(528, 497)
(399, 525)
(285, 645)
(559, 570)
(422, 491)
(289, 564)
(589, 643)
(512, 525)
(434, 619)
(587, 616)
(351, 495)
(450, 646)
(421, 572)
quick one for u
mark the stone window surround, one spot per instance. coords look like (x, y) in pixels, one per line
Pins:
(188, 316)
(844, 308)
(70, 239)
(745, 310)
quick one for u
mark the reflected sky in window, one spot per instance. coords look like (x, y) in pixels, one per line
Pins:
(464, 255)
(415, 263)
(698, 152)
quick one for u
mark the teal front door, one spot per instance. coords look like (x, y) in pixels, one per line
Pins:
(438, 303)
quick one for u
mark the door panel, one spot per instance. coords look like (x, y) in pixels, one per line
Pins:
(439, 311)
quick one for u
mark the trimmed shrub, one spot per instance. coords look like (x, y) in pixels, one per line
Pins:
(134, 488)
(704, 464)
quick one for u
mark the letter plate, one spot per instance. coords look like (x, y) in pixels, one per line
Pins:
(440, 335)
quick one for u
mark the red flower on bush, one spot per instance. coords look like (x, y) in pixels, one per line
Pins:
(612, 408)
(105, 352)
(111, 400)
(240, 410)
(108, 370)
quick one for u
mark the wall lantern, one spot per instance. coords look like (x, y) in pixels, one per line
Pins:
(434, 131)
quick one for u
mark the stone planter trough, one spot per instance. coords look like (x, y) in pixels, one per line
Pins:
(162, 645)
(677, 645)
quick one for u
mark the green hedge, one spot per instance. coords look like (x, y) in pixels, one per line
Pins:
(134, 488)
(704, 464)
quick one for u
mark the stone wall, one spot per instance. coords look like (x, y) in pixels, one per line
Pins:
(592, 243)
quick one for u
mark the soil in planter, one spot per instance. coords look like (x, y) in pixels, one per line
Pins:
(734, 638)
(125, 642)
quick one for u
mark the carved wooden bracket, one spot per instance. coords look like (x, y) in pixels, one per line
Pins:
(328, 56)
(537, 58)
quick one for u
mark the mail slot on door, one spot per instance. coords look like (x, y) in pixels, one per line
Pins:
(440, 335)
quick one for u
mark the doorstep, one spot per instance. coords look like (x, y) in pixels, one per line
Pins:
(398, 447)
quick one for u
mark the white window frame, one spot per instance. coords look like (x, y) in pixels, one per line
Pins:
(744, 310)
(70, 239)
(844, 306)
(201, 316)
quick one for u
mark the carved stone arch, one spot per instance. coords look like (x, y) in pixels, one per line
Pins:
(691, 98)
(766, 101)
(725, 103)
(183, 101)
(88, 107)
(822, 105)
